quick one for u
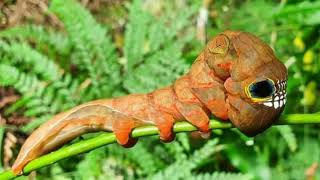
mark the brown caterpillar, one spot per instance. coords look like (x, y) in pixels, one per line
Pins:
(235, 77)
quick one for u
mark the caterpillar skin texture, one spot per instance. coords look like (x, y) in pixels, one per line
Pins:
(236, 77)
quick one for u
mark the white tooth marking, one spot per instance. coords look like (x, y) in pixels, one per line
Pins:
(276, 104)
(284, 101)
(277, 98)
(281, 103)
(281, 97)
(269, 104)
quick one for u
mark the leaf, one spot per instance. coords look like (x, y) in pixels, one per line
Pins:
(159, 70)
(135, 35)
(292, 166)
(90, 167)
(303, 7)
(221, 176)
(32, 60)
(313, 19)
(182, 168)
(141, 157)
(93, 52)
(287, 133)
(164, 61)
(8, 75)
(43, 37)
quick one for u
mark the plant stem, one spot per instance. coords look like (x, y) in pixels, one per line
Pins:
(109, 138)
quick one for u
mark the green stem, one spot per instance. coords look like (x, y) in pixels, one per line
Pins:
(109, 138)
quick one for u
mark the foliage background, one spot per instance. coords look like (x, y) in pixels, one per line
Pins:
(75, 51)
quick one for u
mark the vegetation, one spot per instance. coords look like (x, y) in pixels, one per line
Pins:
(141, 46)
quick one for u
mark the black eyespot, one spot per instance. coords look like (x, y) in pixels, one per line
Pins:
(262, 89)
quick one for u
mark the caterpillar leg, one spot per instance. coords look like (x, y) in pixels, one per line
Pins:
(196, 116)
(164, 122)
(122, 127)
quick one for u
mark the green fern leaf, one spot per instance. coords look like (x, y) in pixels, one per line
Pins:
(289, 136)
(139, 155)
(9, 75)
(175, 170)
(135, 34)
(32, 60)
(222, 176)
(45, 40)
(158, 70)
(28, 128)
(158, 60)
(94, 52)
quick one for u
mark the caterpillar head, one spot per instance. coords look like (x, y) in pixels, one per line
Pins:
(256, 82)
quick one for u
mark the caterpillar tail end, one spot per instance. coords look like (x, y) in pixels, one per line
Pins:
(17, 169)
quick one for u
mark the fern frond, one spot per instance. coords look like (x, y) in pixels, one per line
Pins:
(158, 70)
(222, 176)
(93, 52)
(292, 166)
(39, 100)
(9, 75)
(98, 164)
(178, 148)
(55, 97)
(22, 82)
(172, 24)
(289, 136)
(174, 171)
(158, 45)
(46, 40)
(36, 122)
(135, 35)
(30, 59)
(90, 167)
(178, 170)
(202, 155)
(139, 156)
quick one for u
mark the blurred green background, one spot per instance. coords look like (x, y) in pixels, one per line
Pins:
(57, 54)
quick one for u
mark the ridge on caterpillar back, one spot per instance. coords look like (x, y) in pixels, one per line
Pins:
(236, 77)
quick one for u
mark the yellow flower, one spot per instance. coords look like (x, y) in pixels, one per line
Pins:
(298, 43)
(308, 57)
(309, 94)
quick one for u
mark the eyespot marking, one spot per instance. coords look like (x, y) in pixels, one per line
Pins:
(262, 90)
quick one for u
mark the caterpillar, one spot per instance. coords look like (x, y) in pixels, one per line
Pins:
(236, 77)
